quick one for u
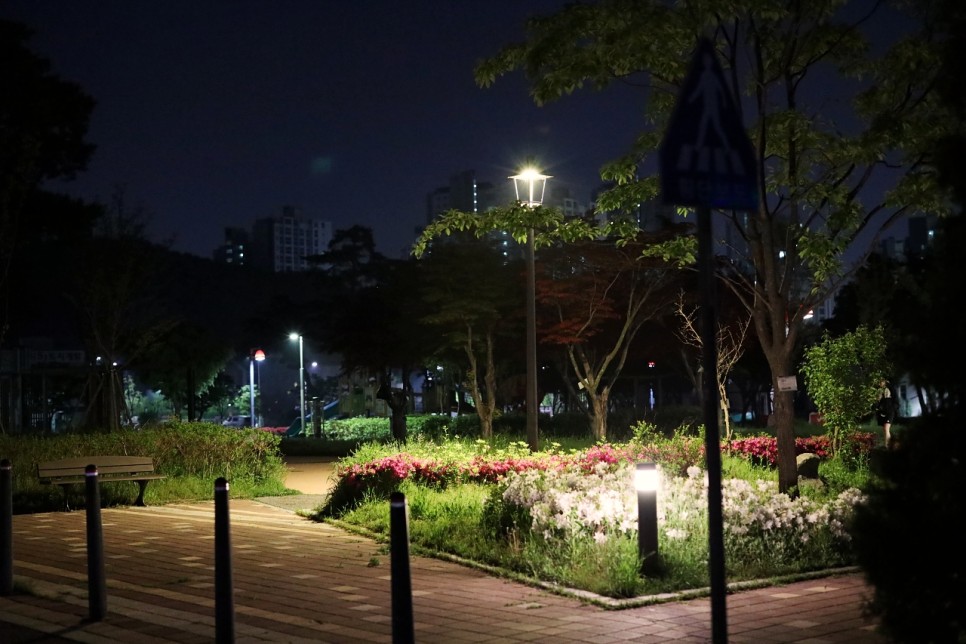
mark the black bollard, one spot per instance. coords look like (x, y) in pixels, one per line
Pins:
(96, 583)
(224, 600)
(402, 591)
(6, 527)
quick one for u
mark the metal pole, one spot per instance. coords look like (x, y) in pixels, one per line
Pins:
(224, 599)
(305, 429)
(316, 425)
(712, 448)
(401, 581)
(533, 408)
(251, 385)
(6, 527)
(96, 583)
(258, 385)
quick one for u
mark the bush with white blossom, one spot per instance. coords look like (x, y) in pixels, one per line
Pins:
(761, 527)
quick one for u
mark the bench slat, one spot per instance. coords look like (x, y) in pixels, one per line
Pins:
(72, 471)
(77, 465)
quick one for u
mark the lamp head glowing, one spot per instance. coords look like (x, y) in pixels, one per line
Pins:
(533, 182)
(646, 477)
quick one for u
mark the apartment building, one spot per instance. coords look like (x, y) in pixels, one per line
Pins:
(279, 243)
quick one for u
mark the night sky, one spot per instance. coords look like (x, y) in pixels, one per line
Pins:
(212, 114)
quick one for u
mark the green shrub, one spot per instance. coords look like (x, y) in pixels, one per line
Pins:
(358, 429)
(249, 458)
(906, 537)
(840, 474)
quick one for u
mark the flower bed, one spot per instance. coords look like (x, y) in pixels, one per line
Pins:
(764, 449)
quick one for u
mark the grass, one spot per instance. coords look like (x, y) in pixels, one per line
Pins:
(470, 522)
(449, 516)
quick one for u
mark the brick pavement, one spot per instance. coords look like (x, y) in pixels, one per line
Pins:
(296, 580)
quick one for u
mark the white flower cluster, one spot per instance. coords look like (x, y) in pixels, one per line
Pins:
(757, 509)
(570, 502)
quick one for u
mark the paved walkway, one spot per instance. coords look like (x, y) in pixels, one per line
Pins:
(299, 581)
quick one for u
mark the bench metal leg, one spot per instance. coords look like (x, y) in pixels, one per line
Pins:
(66, 491)
(141, 487)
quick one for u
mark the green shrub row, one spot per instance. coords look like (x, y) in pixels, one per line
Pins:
(561, 425)
(191, 455)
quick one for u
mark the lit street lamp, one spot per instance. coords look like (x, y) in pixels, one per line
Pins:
(298, 336)
(255, 355)
(534, 185)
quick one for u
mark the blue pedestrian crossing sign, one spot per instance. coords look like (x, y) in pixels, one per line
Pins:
(706, 158)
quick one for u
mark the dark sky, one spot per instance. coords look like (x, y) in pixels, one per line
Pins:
(214, 113)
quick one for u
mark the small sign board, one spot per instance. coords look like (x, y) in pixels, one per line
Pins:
(71, 358)
(706, 157)
(787, 383)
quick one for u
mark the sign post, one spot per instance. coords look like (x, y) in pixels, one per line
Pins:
(706, 158)
(707, 161)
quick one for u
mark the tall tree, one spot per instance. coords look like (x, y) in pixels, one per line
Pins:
(921, 483)
(792, 68)
(120, 316)
(369, 317)
(729, 345)
(601, 296)
(43, 122)
(472, 296)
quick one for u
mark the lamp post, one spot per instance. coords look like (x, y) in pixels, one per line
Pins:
(298, 336)
(255, 355)
(646, 483)
(259, 404)
(534, 183)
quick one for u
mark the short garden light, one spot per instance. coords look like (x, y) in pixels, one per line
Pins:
(646, 483)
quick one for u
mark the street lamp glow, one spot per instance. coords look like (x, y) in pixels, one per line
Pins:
(255, 355)
(298, 336)
(533, 183)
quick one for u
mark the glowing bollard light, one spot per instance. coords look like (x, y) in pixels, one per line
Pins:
(646, 483)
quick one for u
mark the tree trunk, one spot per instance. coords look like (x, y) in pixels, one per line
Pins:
(778, 344)
(397, 401)
(598, 416)
(397, 404)
(785, 436)
(484, 396)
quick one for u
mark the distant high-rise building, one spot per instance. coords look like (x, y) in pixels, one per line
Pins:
(283, 242)
(466, 193)
(463, 192)
(559, 196)
(437, 202)
(920, 239)
(233, 250)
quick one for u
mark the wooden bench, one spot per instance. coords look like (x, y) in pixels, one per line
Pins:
(71, 471)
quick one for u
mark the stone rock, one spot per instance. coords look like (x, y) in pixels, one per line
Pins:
(808, 465)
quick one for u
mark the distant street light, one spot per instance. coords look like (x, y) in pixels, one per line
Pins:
(255, 355)
(260, 405)
(534, 185)
(298, 336)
